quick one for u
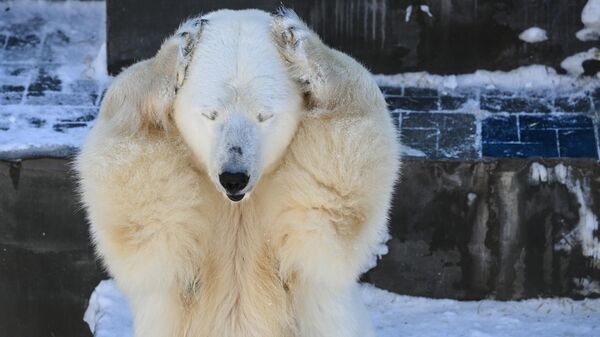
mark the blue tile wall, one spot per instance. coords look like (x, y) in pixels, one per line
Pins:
(480, 123)
(465, 123)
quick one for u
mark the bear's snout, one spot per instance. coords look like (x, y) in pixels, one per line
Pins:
(233, 184)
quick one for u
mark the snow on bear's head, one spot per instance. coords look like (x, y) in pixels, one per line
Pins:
(237, 108)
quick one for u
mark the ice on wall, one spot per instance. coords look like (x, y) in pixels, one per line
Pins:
(527, 77)
(408, 13)
(533, 35)
(574, 63)
(583, 233)
(590, 16)
(587, 287)
(423, 8)
(406, 150)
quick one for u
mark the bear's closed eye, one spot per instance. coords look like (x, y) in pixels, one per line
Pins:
(262, 117)
(211, 115)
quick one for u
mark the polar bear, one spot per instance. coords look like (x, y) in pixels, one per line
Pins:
(237, 182)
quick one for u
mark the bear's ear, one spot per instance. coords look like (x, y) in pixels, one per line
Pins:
(142, 96)
(188, 35)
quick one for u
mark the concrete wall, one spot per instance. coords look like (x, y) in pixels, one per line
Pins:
(462, 35)
(47, 266)
(506, 229)
(503, 229)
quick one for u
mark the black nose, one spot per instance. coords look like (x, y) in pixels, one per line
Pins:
(233, 182)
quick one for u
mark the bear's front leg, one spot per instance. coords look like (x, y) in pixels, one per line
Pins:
(332, 80)
(320, 268)
(335, 183)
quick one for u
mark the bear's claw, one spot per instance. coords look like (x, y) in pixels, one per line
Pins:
(289, 29)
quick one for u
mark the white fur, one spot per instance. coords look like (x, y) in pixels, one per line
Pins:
(322, 154)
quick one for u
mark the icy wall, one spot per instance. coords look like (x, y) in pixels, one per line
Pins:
(390, 36)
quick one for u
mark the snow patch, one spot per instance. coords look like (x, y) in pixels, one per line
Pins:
(586, 286)
(583, 233)
(108, 313)
(377, 252)
(408, 151)
(574, 63)
(22, 136)
(394, 315)
(408, 13)
(471, 197)
(590, 16)
(98, 69)
(425, 9)
(532, 77)
(533, 35)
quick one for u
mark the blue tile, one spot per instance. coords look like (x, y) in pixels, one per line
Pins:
(573, 104)
(452, 102)
(578, 143)
(596, 98)
(391, 91)
(539, 136)
(396, 119)
(420, 92)
(441, 135)
(413, 103)
(520, 150)
(515, 104)
(423, 140)
(499, 129)
(555, 122)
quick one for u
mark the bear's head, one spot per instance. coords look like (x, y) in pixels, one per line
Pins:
(236, 107)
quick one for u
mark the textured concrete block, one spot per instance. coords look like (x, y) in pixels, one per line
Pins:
(505, 229)
(47, 264)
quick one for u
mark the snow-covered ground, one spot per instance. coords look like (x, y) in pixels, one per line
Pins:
(108, 315)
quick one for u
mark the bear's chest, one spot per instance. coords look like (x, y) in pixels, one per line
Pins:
(238, 279)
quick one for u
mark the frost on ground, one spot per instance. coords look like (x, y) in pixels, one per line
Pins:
(108, 315)
(533, 35)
